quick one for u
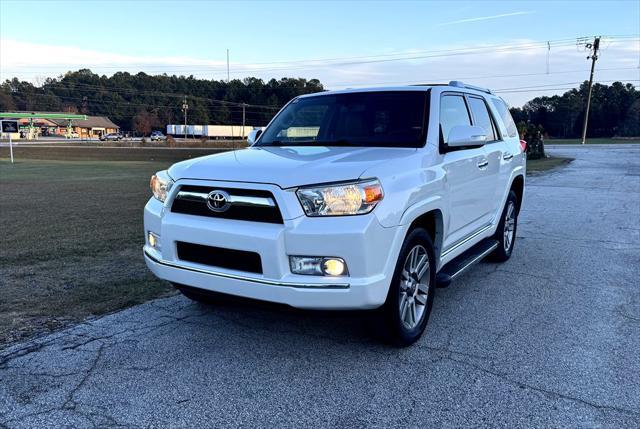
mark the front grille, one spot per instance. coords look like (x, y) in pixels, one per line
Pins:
(195, 203)
(220, 257)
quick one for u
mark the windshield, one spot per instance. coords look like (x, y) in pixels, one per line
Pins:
(382, 119)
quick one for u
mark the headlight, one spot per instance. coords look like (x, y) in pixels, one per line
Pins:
(341, 199)
(160, 185)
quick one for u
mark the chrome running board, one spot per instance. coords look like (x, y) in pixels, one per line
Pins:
(467, 259)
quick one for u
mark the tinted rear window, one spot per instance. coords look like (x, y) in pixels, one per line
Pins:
(482, 117)
(505, 115)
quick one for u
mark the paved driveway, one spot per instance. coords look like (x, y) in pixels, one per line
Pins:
(550, 338)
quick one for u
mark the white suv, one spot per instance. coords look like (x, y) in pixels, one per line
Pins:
(355, 199)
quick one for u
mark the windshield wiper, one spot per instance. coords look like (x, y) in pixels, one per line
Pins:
(289, 143)
(339, 142)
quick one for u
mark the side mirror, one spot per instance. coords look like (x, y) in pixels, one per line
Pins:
(466, 135)
(253, 136)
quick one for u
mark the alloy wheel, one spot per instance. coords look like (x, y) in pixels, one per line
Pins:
(414, 287)
(509, 226)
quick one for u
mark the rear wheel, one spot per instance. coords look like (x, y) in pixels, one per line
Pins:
(408, 307)
(506, 232)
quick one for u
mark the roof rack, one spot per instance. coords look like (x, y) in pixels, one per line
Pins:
(429, 84)
(460, 84)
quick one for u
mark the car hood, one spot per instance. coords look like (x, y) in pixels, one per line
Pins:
(286, 166)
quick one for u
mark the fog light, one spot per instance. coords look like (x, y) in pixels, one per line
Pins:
(333, 267)
(317, 266)
(153, 240)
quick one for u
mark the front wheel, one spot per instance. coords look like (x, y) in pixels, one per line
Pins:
(406, 311)
(506, 232)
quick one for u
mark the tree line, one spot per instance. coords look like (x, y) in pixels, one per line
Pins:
(143, 102)
(615, 111)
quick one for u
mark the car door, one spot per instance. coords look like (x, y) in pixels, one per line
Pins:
(465, 174)
(512, 151)
(494, 149)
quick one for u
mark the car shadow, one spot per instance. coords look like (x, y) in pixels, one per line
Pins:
(279, 320)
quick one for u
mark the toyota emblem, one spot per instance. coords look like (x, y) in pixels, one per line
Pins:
(218, 201)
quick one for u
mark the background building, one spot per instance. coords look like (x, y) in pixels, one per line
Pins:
(92, 127)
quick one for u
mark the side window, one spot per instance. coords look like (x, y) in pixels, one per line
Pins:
(453, 112)
(503, 111)
(482, 117)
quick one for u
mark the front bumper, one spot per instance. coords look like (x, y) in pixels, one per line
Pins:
(369, 250)
(300, 295)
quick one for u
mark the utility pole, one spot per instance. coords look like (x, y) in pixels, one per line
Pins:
(228, 79)
(594, 57)
(11, 147)
(243, 106)
(185, 108)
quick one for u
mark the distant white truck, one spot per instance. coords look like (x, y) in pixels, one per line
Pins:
(211, 131)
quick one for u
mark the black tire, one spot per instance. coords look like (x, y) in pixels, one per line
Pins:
(505, 246)
(394, 324)
(194, 294)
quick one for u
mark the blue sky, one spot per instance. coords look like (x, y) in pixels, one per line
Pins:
(193, 36)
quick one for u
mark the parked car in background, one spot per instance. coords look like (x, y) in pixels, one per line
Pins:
(157, 136)
(354, 199)
(111, 137)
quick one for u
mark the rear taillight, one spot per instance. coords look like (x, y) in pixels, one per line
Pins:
(523, 145)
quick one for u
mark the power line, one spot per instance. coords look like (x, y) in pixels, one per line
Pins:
(228, 105)
(127, 103)
(116, 90)
(222, 68)
(375, 59)
(238, 110)
(564, 83)
(536, 90)
(497, 76)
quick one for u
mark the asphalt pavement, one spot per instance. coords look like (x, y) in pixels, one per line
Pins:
(549, 338)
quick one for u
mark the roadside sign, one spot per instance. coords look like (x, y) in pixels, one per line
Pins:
(9, 127)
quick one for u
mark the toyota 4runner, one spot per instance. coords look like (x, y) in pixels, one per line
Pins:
(354, 199)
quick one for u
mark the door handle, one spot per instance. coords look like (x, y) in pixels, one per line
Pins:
(482, 164)
(507, 156)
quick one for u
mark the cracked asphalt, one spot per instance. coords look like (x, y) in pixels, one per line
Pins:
(550, 338)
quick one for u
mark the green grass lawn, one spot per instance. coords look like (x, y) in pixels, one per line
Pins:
(593, 141)
(537, 166)
(72, 236)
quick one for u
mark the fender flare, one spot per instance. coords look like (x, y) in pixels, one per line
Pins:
(434, 203)
(517, 172)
